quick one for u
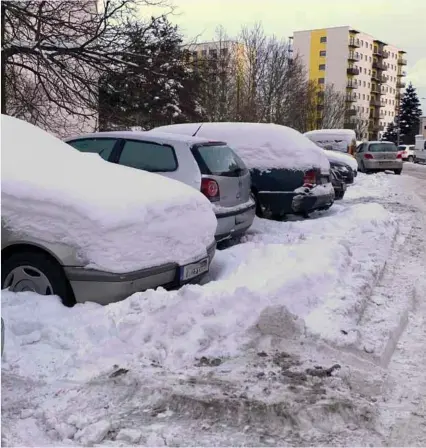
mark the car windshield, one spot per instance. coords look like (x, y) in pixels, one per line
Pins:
(219, 160)
(382, 147)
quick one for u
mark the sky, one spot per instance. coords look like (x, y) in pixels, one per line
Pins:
(397, 22)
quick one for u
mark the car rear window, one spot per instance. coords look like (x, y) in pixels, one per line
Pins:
(102, 146)
(218, 160)
(382, 147)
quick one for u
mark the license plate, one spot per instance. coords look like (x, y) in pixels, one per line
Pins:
(194, 269)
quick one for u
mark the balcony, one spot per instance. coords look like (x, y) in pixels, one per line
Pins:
(353, 71)
(375, 102)
(400, 85)
(354, 42)
(379, 66)
(402, 61)
(402, 73)
(378, 52)
(383, 79)
(373, 126)
(398, 96)
(350, 112)
(351, 98)
(353, 57)
(385, 54)
(374, 116)
(351, 85)
(375, 89)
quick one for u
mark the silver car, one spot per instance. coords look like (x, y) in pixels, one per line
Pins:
(29, 264)
(209, 166)
(379, 156)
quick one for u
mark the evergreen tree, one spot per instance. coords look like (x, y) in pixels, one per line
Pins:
(390, 135)
(165, 93)
(410, 113)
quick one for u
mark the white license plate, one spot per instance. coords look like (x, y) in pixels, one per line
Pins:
(194, 269)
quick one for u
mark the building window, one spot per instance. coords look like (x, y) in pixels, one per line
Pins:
(321, 80)
(363, 96)
(365, 71)
(323, 53)
(365, 57)
(369, 72)
(368, 85)
(362, 109)
(323, 39)
(368, 97)
(321, 67)
(362, 42)
(371, 46)
(365, 84)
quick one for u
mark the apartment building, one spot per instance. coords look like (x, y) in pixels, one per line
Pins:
(369, 71)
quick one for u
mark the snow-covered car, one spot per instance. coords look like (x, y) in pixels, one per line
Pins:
(341, 158)
(209, 166)
(339, 140)
(289, 173)
(407, 152)
(88, 230)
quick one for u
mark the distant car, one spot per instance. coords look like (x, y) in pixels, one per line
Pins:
(211, 167)
(407, 152)
(346, 160)
(420, 150)
(289, 173)
(83, 229)
(339, 140)
(379, 156)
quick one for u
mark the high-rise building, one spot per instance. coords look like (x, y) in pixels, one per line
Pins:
(370, 72)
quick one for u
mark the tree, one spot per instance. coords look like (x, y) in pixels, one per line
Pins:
(332, 106)
(157, 87)
(410, 113)
(391, 133)
(54, 52)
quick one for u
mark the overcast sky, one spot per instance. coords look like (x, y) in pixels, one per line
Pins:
(398, 22)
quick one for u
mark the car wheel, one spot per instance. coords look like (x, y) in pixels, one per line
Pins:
(411, 159)
(259, 210)
(398, 171)
(37, 272)
(415, 160)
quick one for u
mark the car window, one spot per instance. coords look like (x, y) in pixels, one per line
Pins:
(148, 156)
(382, 147)
(401, 148)
(219, 160)
(360, 147)
(102, 146)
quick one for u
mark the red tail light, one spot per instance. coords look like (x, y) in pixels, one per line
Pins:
(310, 178)
(399, 155)
(210, 189)
(368, 156)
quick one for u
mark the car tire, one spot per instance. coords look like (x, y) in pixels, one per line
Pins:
(259, 211)
(41, 274)
(398, 171)
(415, 160)
(410, 159)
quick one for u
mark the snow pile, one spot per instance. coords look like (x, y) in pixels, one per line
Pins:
(334, 156)
(318, 270)
(260, 145)
(117, 218)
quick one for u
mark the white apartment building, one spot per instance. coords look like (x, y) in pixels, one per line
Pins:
(369, 70)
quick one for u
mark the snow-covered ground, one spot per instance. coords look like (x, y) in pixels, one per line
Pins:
(290, 342)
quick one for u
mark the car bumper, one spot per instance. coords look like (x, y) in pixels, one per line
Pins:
(383, 165)
(235, 221)
(302, 201)
(105, 287)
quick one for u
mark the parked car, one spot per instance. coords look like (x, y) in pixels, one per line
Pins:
(344, 160)
(420, 150)
(84, 229)
(290, 174)
(379, 156)
(407, 152)
(211, 167)
(339, 140)
(339, 185)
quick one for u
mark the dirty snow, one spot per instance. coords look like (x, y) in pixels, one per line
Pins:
(117, 218)
(260, 145)
(267, 353)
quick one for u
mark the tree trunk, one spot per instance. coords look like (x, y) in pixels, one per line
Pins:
(3, 61)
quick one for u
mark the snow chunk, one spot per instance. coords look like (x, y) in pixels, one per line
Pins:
(260, 145)
(116, 218)
(129, 435)
(93, 433)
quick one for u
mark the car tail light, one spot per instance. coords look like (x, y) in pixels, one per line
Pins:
(368, 156)
(399, 155)
(310, 178)
(210, 189)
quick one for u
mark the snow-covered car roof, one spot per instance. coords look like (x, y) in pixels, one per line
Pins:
(117, 218)
(332, 132)
(260, 145)
(145, 135)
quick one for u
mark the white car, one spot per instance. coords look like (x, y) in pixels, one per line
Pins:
(407, 152)
(81, 228)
